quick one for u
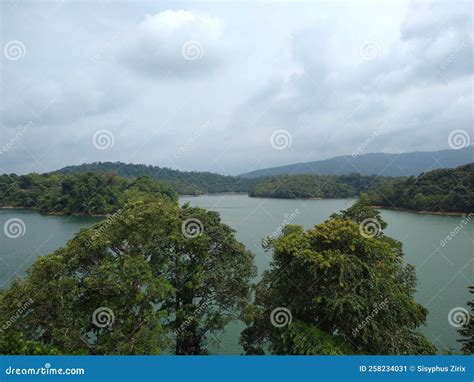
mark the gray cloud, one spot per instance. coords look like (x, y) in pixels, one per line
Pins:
(330, 74)
(174, 43)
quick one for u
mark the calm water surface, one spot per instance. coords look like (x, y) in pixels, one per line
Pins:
(443, 272)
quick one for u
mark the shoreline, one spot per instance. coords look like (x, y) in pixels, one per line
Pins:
(437, 213)
(401, 209)
(51, 213)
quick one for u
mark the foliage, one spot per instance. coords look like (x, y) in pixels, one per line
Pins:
(184, 182)
(467, 330)
(86, 193)
(335, 280)
(315, 186)
(442, 190)
(13, 343)
(147, 278)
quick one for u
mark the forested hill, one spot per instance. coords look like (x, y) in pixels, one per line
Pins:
(78, 194)
(441, 190)
(318, 186)
(184, 182)
(404, 164)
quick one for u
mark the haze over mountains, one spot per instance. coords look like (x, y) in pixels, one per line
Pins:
(404, 164)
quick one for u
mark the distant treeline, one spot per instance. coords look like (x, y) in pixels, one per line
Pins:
(87, 193)
(100, 187)
(441, 190)
(318, 186)
(184, 182)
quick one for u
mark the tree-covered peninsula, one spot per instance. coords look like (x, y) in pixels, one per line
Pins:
(77, 194)
(317, 186)
(439, 191)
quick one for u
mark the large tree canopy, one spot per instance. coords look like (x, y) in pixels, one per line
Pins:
(151, 277)
(344, 284)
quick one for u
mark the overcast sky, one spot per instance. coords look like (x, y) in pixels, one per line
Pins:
(230, 87)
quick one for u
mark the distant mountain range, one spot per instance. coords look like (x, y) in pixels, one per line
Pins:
(383, 164)
(198, 182)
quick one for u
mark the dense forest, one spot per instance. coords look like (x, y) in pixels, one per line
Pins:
(317, 186)
(184, 182)
(86, 193)
(441, 190)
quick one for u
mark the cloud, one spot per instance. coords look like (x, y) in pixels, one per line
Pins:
(329, 73)
(53, 102)
(175, 43)
(414, 83)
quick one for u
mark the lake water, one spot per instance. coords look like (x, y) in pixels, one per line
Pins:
(444, 272)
